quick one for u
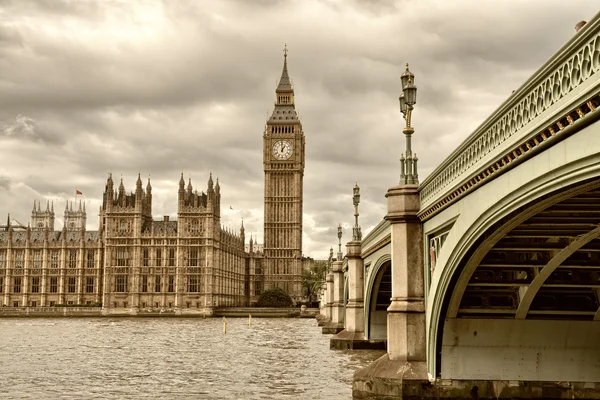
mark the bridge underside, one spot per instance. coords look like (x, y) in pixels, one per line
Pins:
(548, 267)
(379, 303)
(531, 307)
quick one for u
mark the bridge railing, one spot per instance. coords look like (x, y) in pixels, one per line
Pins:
(556, 96)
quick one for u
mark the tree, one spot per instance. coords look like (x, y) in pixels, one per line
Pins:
(313, 278)
(276, 297)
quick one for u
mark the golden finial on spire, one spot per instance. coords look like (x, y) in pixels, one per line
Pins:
(285, 50)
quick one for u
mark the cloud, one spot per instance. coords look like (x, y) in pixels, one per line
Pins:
(160, 88)
(4, 183)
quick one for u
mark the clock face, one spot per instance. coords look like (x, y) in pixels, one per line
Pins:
(282, 150)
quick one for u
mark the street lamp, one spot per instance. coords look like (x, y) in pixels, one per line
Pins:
(407, 99)
(356, 233)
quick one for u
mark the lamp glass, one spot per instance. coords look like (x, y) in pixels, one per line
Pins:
(410, 94)
(405, 76)
(402, 104)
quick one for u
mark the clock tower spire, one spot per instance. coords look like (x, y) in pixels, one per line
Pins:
(283, 161)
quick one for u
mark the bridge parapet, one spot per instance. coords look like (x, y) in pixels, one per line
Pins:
(559, 95)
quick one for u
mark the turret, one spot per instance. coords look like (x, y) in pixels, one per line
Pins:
(242, 232)
(138, 185)
(75, 220)
(42, 219)
(210, 193)
(181, 192)
(217, 206)
(121, 196)
(149, 197)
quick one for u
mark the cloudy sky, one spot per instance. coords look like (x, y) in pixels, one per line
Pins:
(163, 87)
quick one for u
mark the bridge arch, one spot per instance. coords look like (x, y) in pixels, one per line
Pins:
(470, 243)
(376, 319)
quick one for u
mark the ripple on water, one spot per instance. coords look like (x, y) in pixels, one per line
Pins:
(173, 359)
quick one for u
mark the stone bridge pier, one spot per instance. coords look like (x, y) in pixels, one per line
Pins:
(336, 323)
(495, 256)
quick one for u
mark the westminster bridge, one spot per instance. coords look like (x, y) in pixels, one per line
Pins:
(483, 281)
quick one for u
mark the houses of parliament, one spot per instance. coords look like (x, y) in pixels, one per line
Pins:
(135, 263)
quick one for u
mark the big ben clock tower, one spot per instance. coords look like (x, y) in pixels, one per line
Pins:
(283, 159)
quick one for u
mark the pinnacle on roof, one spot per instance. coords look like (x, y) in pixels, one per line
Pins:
(284, 112)
(285, 85)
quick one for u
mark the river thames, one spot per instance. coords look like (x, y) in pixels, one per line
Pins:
(173, 358)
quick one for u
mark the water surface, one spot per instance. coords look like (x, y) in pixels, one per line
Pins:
(133, 358)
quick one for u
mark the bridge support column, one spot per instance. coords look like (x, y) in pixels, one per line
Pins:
(337, 307)
(328, 301)
(322, 302)
(402, 372)
(353, 336)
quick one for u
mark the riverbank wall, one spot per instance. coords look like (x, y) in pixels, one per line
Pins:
(74, 312)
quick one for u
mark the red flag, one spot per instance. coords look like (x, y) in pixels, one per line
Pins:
(77, 192)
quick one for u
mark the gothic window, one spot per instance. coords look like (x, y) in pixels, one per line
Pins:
(195, 226)
(37, 260)
(146, 256)
(121, 282)
(193, 257)
(89, 285)
(53, 284)
(158, 257)
(123, 226)
(1, 284)
(54, 260)
(171, 257)
(90, 259)
(144, 288)
(35, 284)
(157, 284)
(122, 257)
(171, 285)
(2, 259)
(193, 283)
(19, 259)
(71, 284)
(73, 259)
(17, 284)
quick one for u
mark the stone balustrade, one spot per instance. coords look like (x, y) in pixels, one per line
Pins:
(561, 93)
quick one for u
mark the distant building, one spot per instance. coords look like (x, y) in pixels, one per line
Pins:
(132, 261)
(283, 160)
(137, 263)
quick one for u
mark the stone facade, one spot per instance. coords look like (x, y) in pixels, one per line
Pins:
(283, 159)
(132, 262)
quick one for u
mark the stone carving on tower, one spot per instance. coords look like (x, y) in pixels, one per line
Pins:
(283, 159)
(75, 219)
(41, 220)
